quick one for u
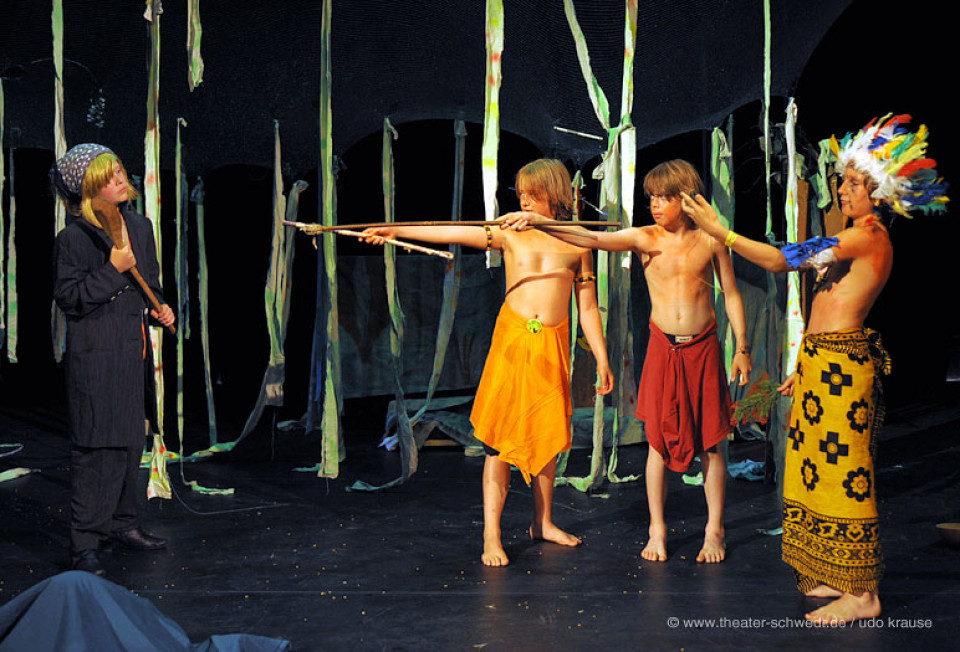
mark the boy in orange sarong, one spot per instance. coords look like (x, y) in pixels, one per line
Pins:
(522, 408)
(683, 400)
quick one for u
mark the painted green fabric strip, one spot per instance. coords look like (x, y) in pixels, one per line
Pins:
(194, 35)
(451, 277)
(180, 274)
(151, 185)
(58, 324)
(329, 400)
(793, 326)
(11, 279)
(821, 181)
(203, 288)
(409, 439)
(491, 116)
(3, 256)
(623, 413)
(408, 450)
(409, 447)
(598, 99)
(13, 474)
(613, 277)
(276, 292)
(722, 199)
(766, 111)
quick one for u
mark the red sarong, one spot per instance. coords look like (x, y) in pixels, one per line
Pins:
(684, 397)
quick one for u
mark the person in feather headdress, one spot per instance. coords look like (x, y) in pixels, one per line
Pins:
(830, 525)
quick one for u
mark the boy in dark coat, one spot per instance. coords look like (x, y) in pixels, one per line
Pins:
(109, 360)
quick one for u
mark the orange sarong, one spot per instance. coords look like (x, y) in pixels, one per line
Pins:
(523, 407)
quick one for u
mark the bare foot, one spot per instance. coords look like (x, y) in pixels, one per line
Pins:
(823, 591)
(656, 548)
(493, 552)
(846, 609)
(714, 548)
(550, 532)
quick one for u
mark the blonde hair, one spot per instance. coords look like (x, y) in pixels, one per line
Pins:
(548, 178)
(670, 178)
(98, 175)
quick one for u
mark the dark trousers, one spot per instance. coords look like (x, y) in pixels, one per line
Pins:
(103, 495)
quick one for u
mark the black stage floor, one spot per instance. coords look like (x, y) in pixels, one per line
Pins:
(296, 557)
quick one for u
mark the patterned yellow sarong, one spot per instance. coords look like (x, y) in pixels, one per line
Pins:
(523, 407)
(830, 526)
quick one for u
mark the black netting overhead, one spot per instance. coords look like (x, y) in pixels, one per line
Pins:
(696, 62)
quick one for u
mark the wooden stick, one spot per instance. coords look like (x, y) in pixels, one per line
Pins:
(313, 229)
(112, 222)
(399, 243)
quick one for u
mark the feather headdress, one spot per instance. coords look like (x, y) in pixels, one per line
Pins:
(894, 158)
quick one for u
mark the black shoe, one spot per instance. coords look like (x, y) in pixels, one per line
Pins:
(86, 560)
(137, 539)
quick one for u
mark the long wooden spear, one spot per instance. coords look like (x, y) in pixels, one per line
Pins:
(313, 229)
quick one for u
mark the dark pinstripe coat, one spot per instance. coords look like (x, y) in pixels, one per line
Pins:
(110, 384)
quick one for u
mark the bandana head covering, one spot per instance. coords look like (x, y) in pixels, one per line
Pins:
(67, 173)
(895, 159)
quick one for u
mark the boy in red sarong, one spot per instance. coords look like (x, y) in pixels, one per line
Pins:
(684, 400)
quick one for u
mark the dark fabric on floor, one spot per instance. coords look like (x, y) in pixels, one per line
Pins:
(76, 610)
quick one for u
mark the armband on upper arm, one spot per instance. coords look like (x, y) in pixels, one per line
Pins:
(815, 253)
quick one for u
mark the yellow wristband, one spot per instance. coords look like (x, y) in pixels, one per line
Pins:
(731, 238)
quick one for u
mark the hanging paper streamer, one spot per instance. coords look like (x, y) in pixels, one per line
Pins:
(409, 448)
(11, 280)
(451, 278)
(277, 290)
(617, 173)
(793, 327)
(151, 190)
(158, 486)
(771, 326)
(491, 116)
(203, 288)
(58, 324)
(722, 200)
(325, 395)
(451, 286)
(194, 34)
(13, 474)
(3, 259)
(624, 400)
(180, 276)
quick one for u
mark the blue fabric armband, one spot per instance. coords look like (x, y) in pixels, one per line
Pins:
(797, 253)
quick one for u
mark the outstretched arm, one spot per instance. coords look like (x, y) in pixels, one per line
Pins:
(478, 237)
(622, 240)
(585, 287)
(760, 253)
